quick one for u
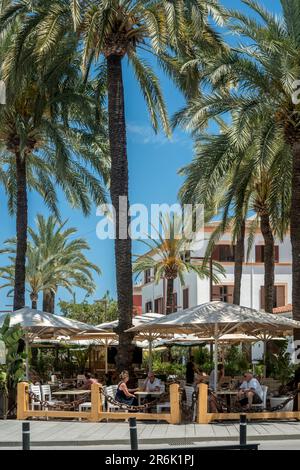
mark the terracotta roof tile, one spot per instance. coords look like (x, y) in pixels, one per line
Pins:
(284, 309)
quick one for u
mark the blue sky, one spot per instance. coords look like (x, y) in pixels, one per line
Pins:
(153, 165)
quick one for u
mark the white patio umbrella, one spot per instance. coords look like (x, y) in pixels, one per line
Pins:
(215, 319)
(39, 324)
(109, 329)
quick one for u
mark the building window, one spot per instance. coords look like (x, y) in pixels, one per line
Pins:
(185, 298)
(159, 305)
(278, 298)
(223, 253)
(147, 276)
(260, 253)
(148, 307)
(223, 293)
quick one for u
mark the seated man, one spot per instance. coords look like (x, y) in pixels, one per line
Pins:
(250, 391)
(151, 384)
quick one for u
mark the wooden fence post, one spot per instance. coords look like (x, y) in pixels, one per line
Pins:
(202, 404)
(174, 404)
(96, 403)
(22, 399)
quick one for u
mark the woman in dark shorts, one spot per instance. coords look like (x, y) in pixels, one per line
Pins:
(124, 395)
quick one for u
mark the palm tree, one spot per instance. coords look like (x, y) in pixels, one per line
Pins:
(264, 76)
(203, 186)
(54, 259)
(44, 142)
(167, 258)
(251, 176)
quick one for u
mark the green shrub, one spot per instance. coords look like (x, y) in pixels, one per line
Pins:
(166, 368)
(236, 363)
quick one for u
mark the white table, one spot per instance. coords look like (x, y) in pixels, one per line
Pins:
(73, 393)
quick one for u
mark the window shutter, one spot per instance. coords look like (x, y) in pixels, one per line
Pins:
(230, 294)
(262, 297)
(258, 254)
(280, 296)
(216, 253)
(174, 302)
(215, 292)
(158, 305)
(185, 296)
(147, 276)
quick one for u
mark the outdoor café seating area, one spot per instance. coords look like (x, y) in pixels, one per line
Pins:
(69, 395)
(71, 367)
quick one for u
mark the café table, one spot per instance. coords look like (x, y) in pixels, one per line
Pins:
(72, 393)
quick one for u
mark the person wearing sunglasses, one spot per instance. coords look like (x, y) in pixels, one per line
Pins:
(250, 391)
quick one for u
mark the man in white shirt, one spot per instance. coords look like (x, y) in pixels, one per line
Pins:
(151, 384)
(250, 391)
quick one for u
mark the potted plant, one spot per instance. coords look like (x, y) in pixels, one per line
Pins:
(12, 371)
(283, 371)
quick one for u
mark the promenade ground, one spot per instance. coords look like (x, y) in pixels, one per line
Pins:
(76, 434)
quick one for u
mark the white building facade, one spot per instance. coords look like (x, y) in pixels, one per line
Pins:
(197, 291)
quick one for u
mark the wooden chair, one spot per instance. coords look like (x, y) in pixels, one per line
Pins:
(36, 389)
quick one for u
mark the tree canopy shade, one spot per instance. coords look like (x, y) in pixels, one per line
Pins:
(100, 311)
(238, 178)
(108, 31)
(262, 78)
(50, 134)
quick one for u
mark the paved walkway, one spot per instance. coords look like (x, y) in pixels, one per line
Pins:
(71, 433)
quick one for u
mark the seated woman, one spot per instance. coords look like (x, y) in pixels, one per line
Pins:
(124, 395)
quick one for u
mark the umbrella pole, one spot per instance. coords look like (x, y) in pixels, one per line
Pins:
(105, 352)
(265, 358)
(216, 358)
(27, 355)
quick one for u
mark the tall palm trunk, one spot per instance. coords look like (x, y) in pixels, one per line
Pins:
(239, 254)
(119, 187)
(48, 301)
(295, 234)
(21, 229)
(268, 261)
(170, 288)
(34, 299)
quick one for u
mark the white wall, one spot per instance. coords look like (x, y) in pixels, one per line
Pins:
(252, 279)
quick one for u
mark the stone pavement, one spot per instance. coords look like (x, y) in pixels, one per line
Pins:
(74, 433)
